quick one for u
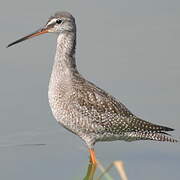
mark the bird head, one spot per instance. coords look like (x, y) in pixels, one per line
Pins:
(61, 22)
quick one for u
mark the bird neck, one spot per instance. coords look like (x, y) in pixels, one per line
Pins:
(65, 64)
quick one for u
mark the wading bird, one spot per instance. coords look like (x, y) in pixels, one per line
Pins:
(82, 107)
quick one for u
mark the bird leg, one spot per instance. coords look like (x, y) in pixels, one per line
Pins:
(92, 156)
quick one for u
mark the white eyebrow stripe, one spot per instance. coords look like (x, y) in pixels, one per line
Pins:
(51, 21)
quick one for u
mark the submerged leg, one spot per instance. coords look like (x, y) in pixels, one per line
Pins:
(90, 172)
(92, 156)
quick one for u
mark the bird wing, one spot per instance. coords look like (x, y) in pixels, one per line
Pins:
(107, 114)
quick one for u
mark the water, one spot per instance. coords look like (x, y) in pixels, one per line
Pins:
(129, 49)
(49, 156)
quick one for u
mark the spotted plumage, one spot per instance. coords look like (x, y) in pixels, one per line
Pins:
(82, 107)
(95, 115)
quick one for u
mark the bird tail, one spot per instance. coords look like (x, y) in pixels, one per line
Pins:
(144, 130)
(155, 136)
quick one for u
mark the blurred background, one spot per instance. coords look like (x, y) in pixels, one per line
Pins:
(129, 48)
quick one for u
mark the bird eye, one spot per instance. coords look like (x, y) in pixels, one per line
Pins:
(58, 21)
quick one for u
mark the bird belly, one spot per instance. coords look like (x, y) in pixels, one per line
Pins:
(65, 115)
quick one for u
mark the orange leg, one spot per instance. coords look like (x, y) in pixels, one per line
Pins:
(92, 156)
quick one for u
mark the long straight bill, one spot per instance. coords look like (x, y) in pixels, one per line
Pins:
(36, 33)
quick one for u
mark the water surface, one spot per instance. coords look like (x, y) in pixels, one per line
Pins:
(131, 49)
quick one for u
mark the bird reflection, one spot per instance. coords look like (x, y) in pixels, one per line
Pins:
(90, 171)
(118, 165)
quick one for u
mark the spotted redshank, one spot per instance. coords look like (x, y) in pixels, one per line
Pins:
(82, 107)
